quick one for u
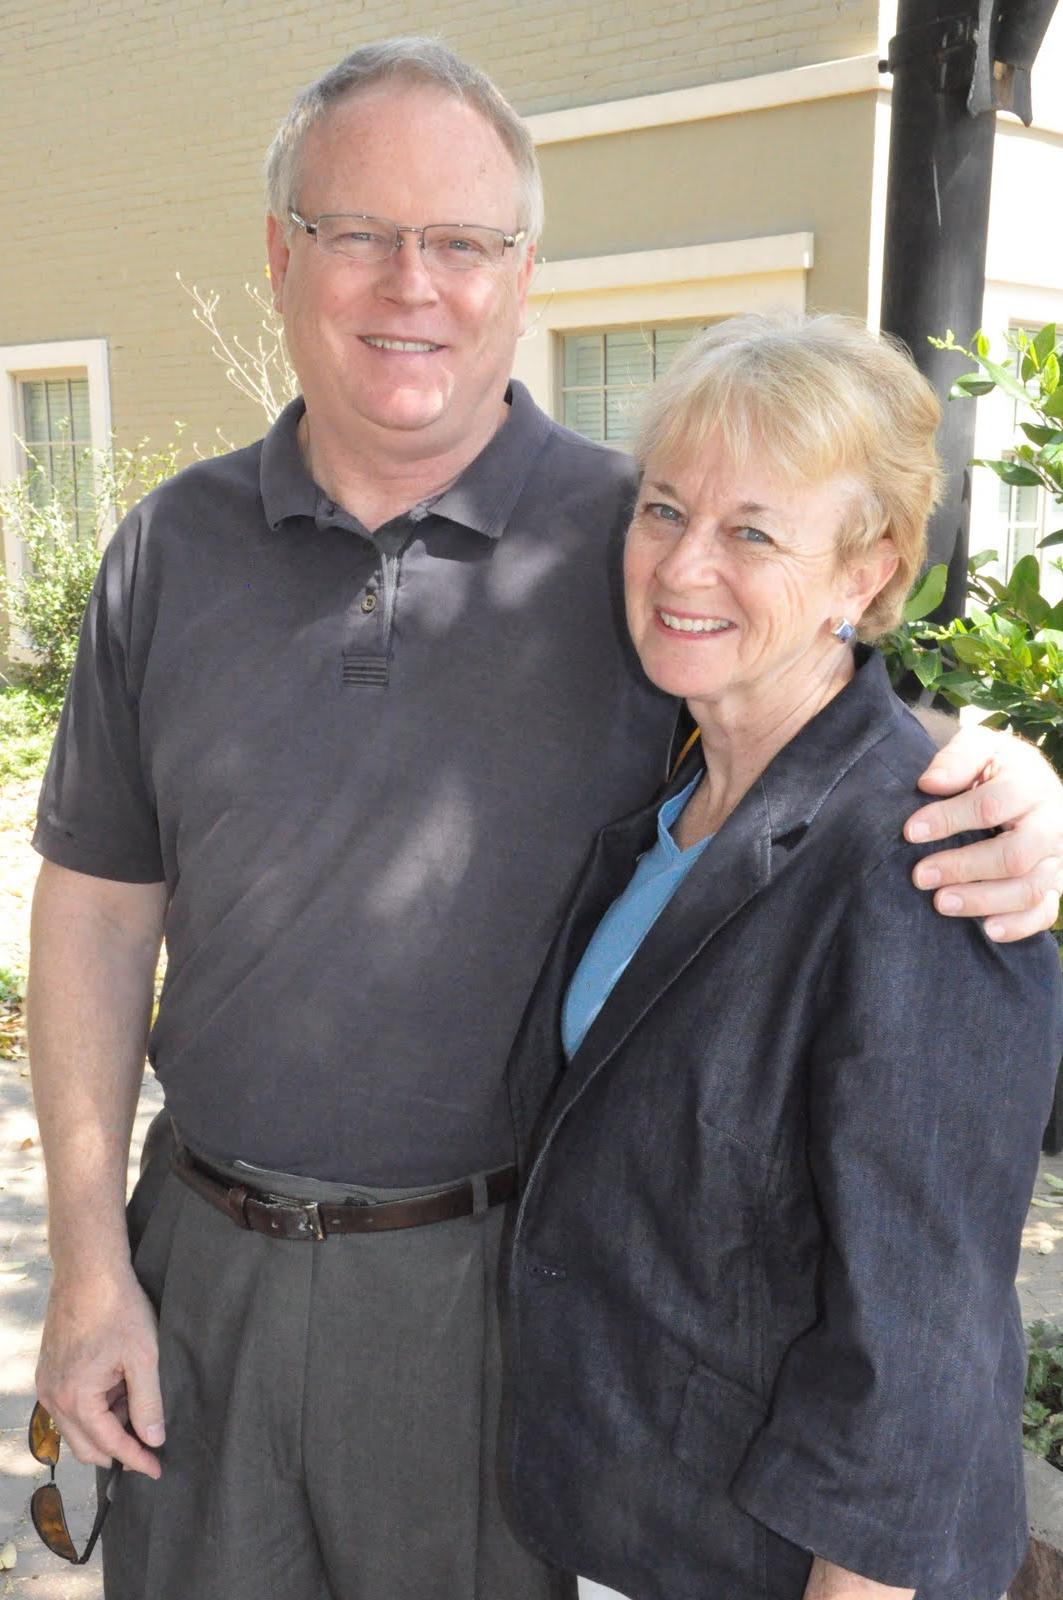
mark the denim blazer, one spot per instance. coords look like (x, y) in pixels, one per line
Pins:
(761, 1281)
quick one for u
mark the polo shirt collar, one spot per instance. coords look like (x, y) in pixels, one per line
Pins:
(484, 495)
(481, 498)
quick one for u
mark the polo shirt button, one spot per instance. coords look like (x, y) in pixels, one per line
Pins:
(368, 603)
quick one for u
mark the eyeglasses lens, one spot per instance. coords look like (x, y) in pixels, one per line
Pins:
(49, 1519)
(46, 1502)
(371, 240)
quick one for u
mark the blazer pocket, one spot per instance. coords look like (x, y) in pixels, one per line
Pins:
(717, 1422)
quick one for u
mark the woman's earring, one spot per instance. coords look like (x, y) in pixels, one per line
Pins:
(844, 631)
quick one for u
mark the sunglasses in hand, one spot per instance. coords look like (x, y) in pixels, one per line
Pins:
(46, 1503)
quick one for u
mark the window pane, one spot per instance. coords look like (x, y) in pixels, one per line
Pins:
(583, 361)
(628, 358)
(34, 413)
(622, 414)
(81, 428)
(669, 342)
(57, 431)
(614, 369)
(58, 393)
(583, 413)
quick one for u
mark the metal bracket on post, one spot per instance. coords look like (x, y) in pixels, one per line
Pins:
(950, 43)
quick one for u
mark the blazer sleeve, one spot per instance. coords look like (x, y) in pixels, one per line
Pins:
(929, 1085)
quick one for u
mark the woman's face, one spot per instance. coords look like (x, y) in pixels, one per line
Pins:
(733, 585)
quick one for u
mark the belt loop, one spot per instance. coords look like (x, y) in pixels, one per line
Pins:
(236, 1202)
(480, 1202)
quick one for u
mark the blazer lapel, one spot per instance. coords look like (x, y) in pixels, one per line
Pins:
(537, 1059)
(735, 867)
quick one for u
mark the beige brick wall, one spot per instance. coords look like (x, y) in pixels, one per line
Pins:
(131, 140)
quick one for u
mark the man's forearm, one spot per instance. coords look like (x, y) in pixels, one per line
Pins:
(94, 950)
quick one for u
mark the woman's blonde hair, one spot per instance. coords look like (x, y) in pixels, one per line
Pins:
(823, 398)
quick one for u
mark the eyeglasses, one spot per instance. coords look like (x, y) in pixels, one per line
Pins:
(46, 1504)
(456, 246)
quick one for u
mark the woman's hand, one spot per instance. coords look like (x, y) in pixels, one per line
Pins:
(1013, 880)
(828, 1582)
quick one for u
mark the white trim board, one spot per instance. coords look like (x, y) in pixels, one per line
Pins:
(645, 287)
(729, 258)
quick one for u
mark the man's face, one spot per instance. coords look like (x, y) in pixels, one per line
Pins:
(411, 155)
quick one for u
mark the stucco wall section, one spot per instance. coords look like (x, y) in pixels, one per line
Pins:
(791, 169)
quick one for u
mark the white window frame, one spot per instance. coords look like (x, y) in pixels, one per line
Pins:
(690, 283)
(50, 359)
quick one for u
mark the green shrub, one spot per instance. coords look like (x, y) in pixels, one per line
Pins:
(12, 987)
(27, 725)
(1042, 1411)
(45, 605)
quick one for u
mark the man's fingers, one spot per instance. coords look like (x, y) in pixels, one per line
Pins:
(961, 762)
(95, 1436)
(107, 1435)
(1002, 800)
(1008, 856)
(76, 1440)
(144, 1400)
(1021, 924)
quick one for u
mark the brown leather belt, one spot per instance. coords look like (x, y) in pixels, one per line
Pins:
(285, 1218)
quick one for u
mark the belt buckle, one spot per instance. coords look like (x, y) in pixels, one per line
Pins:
(310, 1213)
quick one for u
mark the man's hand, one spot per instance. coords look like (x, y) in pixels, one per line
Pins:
(828, 1582)
(99, 1367)
(1013, 880)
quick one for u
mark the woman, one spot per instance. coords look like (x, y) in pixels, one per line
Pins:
(765, 1341)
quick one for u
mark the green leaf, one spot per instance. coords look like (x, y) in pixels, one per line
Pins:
(1050, 539)
(982, 559)
(1025, 577)
(927, 667)
(1039, 435)
(1013, 472)
(1044, 343)
(927, 594)
(970, 386)
(973, 651)
(1053, 406)
(981, 343)
(1050, 375)
(1003, 379)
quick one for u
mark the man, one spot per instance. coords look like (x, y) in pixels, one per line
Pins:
(348, 710)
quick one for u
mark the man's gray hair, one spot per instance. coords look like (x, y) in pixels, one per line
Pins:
(408, 61)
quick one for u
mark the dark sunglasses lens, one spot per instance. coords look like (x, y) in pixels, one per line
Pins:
(44, 1437)
(49, 1519)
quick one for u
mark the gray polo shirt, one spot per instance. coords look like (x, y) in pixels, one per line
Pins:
(368, 768)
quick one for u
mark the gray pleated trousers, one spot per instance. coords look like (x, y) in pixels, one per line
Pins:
(331, 1412)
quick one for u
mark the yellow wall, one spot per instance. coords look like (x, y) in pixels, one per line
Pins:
(787, 170)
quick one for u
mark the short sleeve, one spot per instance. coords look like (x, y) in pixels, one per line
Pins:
(96, 813)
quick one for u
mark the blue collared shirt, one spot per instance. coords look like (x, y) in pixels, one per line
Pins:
(629, 919)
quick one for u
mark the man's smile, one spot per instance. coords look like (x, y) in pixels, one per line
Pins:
(401, 346)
